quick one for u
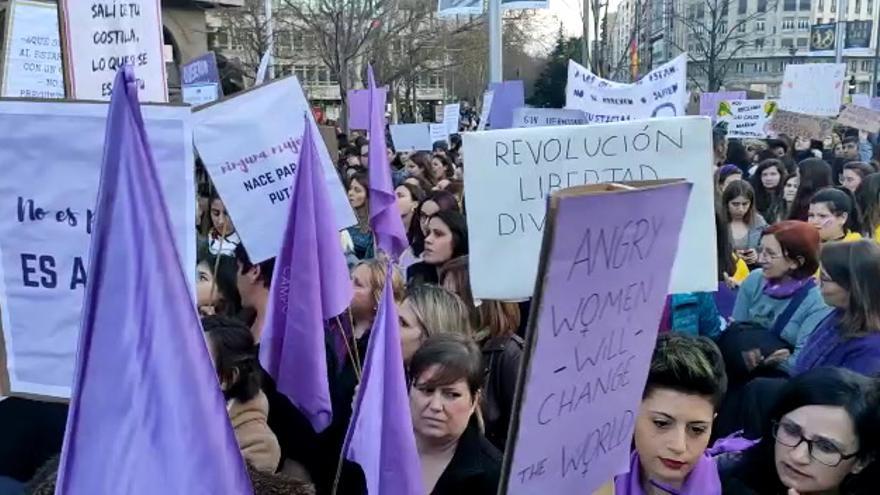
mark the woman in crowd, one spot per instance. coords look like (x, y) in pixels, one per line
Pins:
(446, 238)
(217, 295)
(409, 197)
(815, 175)
(850, 336)
(368, 282)
(868, 200)
(767, 183)
(426, 311)
(727, 174)
(854, 173)
(445, 388)
(781, 298)
(738, 156)
(789, 192)
(420, 165)
(359, 198)
(745, 225)
(686, 383)
(434, 202)
(442, 168)
(222, 239)
(234, 353)
(833, 213)
(701, 316)
(495, 324)
(821, 436)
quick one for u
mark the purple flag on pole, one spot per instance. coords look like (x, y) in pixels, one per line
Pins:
(312, 269)
(146, 415)
(380, 437)
(385, 220)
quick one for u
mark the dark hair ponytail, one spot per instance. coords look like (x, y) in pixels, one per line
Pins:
(235, 356)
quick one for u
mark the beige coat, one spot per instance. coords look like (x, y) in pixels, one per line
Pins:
(258, 444)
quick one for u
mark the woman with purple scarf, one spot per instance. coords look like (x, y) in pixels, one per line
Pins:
(686, 382)
(850, 336)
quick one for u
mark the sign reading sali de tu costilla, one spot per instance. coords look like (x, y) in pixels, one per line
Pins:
(102, 36)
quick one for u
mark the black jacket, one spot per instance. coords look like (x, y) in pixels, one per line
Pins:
(475, 468)
(501, 359)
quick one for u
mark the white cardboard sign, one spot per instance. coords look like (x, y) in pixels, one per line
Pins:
(746, 118)
(250, 144)
(200, 94)
(33, 66)
(51, 154)
(438, 132)
(547, 117)
(812, 89)
(523, 166)
(102, 36)
(661, 93)
(451, 117)
(411, 137)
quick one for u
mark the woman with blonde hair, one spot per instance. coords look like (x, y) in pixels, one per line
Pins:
(429, 310)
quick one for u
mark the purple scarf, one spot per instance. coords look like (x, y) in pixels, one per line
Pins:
(784, 290)
(702, 480)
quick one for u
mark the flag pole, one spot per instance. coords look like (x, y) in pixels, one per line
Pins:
(495, 33)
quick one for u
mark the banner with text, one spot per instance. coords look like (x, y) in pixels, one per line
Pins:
(746, 118)
(547, 117)
(100, 37)
(523, 166)
(600, 294)
(813, 89)
(51, 154)
(32, 60)
(250, 144)
(797, 124)
(200, 80)
(863, 119)
(661, 93)
(452, 117)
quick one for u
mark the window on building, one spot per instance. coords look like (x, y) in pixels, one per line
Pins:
(870, 6)
(741, 28)
(284, 40)
(740, 67)
(722, 26)
(743, 7)
(724, 8)
(788, 24)
(866, 65)
(805, 5)
(218, 38)
(833, 5)
(803, 24)
(759, 44)
(821, 6)
(284, 69)
(857, 6)
(818, 20)
(853, 66)
(299, 40)
(701, 11)
(789, 5)
(760, 26)
(831, 21)
(786, 43)
(802, 42)
(762, 6)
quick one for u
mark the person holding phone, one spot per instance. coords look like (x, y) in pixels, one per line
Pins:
(746, 227)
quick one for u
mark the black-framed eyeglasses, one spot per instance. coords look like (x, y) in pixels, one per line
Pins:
(821, 450)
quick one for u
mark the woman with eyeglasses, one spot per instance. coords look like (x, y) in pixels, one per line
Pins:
(821, 437)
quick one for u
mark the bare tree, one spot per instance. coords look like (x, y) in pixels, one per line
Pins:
(247, 29)
(713, 39)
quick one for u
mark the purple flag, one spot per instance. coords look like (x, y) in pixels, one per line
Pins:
(146, 415)
(385, 218)
(380, 437)
(311, 268)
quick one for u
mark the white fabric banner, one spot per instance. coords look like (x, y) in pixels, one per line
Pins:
(32, 67)
(661, 93)
(51, 154)
(523, 166)
(813, 89)
(102, 36)
(547, 117)
(746, 118)
(250, 145)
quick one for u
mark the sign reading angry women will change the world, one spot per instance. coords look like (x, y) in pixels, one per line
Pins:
(522, 167)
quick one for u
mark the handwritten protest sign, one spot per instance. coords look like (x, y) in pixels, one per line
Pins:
(546, 117)
(200, 80)
(438, 133)
(861, 118)
(598, 300)
(709, 101)
(451, 117)
(796, 124)
(250, 144)
(101, 36)
(411, 137)
(51, 154)
(32, 59)
(523, 166)
(506, 96)
(746, 118)
(488, 97)
(812, 89)
(661, 93)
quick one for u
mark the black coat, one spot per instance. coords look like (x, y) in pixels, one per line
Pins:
(475, 468)
(501, 359)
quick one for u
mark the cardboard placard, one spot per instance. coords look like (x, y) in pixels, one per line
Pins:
(861, 118)
(32, 65)
(250, 145)
(488, 97)
(411, 137)
(521, 167)
(599, 295)
(48, 203)
(746, 118)
(451, 117)
(812, 89)
(796, 124)
(547, 117)
(661, 93)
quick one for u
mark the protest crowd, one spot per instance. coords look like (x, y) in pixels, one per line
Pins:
(768, 384)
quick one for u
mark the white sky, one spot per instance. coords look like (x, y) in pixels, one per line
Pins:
(569, 12)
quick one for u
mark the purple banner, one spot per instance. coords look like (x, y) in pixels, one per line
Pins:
(709, 101)
(603, 288)
(200, 70)
(509, 95)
